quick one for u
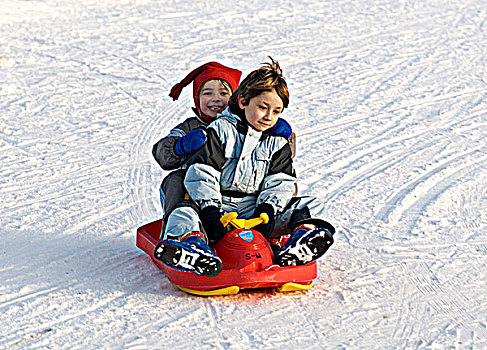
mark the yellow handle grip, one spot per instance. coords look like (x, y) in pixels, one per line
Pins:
(228, 218)
(231, 218)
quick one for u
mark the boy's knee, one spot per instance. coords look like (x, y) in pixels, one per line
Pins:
(308, 210)
(184, 218)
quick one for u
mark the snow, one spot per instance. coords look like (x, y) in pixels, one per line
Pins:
(388, 100)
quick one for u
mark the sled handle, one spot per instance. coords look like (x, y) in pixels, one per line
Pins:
(231, 218)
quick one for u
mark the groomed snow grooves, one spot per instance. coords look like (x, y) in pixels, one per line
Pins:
(388, 101)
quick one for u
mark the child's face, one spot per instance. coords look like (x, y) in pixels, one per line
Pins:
(263, 110)
(213, 98)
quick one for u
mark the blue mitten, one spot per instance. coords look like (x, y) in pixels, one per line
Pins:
(192, 141)
(282, 128)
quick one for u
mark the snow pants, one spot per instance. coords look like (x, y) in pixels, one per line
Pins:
(172, 191)
(185, 218)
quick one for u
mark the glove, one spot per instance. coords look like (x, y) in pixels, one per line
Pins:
(265, 229)
(282, 128)
(192, 141)
(210, 218)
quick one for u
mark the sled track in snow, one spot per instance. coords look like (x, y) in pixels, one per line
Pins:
(430, 192)
(145, 193)
(360, 163)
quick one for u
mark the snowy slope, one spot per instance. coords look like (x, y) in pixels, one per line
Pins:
(388, 99)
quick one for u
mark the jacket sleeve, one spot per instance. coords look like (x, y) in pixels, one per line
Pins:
(278, 186)
(163, 150)
(203, 175)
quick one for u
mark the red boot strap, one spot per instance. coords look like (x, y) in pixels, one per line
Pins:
(308, 227)
(194, 233)
(279, 241)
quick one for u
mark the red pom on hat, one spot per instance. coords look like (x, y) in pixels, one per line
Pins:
(199, 76)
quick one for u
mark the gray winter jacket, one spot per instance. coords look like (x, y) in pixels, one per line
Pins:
(238, 162)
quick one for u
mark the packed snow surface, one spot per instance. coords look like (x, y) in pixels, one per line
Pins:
(388, 101)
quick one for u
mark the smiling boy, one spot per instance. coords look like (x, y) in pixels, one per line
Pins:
(213, 83)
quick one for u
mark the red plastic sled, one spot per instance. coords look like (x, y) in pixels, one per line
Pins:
(247, 261)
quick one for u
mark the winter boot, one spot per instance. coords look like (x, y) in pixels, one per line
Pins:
(306, 245)
(190, 254)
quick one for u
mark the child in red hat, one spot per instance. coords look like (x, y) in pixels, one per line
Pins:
(213, 84)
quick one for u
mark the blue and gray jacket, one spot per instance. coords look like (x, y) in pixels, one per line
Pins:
(238, 161)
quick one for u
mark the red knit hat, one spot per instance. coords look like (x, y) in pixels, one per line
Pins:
(199, 76)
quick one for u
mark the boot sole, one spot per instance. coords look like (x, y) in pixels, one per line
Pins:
(307, 250)
(186, 260)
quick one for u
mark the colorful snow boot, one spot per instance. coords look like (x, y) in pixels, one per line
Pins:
(190, 254)
(306, 245)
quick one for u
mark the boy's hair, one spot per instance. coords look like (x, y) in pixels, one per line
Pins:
(267, 78)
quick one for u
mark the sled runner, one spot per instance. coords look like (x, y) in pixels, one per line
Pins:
(247, 260)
